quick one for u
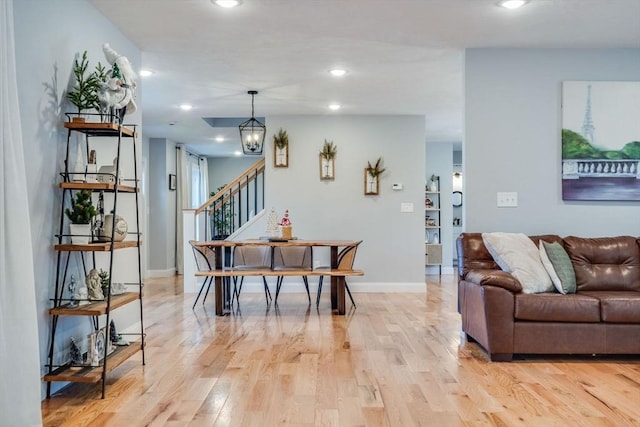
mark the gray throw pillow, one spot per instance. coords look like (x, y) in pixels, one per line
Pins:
(558, 264)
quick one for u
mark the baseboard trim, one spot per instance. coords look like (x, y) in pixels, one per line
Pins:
(161, 273)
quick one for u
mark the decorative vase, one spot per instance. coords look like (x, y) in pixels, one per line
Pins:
(433, 186)
(80, 233)
(287, 233)
(104, 234)
(79, 171)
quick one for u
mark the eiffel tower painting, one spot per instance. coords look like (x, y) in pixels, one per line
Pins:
(602, 164)
(588, 131)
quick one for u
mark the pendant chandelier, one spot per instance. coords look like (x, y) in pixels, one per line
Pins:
(252, 132)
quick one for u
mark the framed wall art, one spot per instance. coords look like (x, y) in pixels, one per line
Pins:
(372, 178)
(327, 160)
(600, 140)
(281, 149)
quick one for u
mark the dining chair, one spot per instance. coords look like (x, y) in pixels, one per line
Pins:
(205, 261)
(292, 258)
(250, 258)
(346, 257)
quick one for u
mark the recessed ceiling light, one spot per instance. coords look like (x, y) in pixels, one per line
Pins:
(219, 138)
(334, 107)
(186, 107)
(338, 72)
(228, 3)
(145, 73)
(237, 153)
(512, 4)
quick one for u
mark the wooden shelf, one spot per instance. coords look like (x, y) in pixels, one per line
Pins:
(100, 129)
(96, 308)
(93, 374)
(97, 186)
(97, 247)
(59, 367)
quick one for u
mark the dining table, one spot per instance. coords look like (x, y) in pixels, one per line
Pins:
(223, 248)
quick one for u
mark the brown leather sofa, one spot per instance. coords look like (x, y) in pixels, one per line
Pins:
(602, 317)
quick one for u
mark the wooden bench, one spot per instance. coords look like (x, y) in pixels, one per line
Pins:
(221, 296)
(229, 272)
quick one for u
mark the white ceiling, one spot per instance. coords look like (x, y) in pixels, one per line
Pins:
(403, 56)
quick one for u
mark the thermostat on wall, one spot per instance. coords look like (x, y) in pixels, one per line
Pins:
(396, 187)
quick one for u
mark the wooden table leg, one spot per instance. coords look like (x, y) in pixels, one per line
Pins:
(334, 281)
(219, 296)
(340, 291)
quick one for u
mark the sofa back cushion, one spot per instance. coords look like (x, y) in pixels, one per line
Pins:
(605, 263)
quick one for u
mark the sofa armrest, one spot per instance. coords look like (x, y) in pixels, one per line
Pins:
(498, 278)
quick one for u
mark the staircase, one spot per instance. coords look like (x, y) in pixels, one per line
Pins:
(233, 205)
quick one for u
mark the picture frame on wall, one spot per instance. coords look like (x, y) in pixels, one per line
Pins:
(281, 156)
(172, 182)
(327, 168)
(371, 183)
(600, 140)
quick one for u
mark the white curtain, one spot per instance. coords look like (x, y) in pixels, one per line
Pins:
(19, 349)
(204, 179)
(182, 201)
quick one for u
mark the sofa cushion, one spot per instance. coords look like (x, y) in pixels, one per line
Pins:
(558, 265)
(516, 253)
(605, 263)
(618, 307)
(554, 307)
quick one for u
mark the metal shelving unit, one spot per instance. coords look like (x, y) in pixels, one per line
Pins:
(97, 311)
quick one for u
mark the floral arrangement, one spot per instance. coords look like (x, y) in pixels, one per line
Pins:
(329, 150)
(281, 139)
(377, 169)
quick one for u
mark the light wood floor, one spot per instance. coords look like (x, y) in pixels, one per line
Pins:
(396, 360)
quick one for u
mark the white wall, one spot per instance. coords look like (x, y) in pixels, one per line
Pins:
(513, 140)
(162, 207)
(48, 35)
(223, 170)
(392, 254)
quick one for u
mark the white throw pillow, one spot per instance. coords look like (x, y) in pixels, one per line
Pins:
(517, 254)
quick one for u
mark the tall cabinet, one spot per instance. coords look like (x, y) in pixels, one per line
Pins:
(432, 224)
(95, 355)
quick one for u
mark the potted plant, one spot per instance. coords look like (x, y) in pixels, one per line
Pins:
(104, 281)
(281, 149)
(220, 216)
(80, 215)
(84, 93)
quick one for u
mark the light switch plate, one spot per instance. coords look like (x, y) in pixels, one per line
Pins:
(507, 199)
(406, 207)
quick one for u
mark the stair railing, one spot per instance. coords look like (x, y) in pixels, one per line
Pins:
(232, 205)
